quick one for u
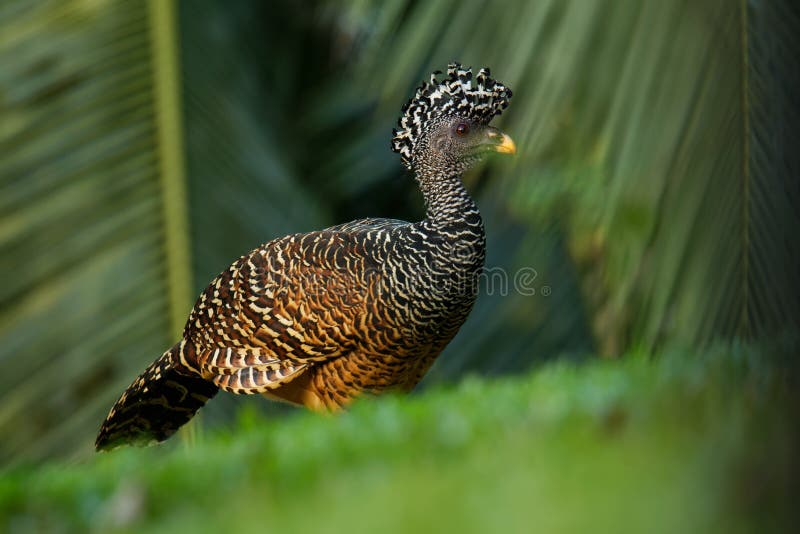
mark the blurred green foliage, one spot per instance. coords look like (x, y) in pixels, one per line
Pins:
(655, 192)
(81, 231)
(648, 444)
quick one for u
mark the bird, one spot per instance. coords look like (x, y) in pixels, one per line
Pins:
(322, 318)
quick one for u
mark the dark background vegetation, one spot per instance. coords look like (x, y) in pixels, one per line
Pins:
(655, 192)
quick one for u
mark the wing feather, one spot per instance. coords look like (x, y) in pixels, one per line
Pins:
(288, 304)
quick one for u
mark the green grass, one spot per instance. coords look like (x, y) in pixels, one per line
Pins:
(680, 442)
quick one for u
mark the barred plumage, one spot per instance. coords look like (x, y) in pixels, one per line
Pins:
(320, 318)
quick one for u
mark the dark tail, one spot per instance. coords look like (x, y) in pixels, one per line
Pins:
(161, 400)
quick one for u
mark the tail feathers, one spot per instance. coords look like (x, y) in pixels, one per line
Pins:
(161, 400)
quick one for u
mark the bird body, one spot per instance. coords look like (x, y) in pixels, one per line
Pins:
(321, 318)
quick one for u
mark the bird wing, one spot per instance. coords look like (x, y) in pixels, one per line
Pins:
(277, 311)
(369, 224)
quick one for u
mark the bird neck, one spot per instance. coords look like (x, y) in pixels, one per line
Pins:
(448, 204)
(454, 242)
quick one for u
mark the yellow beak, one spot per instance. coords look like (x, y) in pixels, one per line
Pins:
(497, 141)
(506, 145)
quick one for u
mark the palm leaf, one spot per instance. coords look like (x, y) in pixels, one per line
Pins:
(632, 120)
(83, 223)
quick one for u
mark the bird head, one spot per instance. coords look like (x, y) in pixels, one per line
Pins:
(445, 128)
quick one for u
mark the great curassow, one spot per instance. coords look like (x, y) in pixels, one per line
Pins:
(318, 319)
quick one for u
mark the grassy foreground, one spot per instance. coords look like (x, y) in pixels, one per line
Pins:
(677, 443)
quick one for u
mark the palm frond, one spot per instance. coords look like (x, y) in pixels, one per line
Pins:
(81, 243)
(632, 121)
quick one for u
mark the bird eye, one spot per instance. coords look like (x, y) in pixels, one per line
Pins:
(462, 129)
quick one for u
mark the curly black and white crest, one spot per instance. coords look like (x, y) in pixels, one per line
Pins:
(478, 99)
